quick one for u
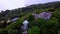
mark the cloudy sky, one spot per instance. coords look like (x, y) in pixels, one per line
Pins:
(12, 4)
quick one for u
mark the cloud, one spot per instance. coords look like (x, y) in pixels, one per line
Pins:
(29, 2)
(11, 4)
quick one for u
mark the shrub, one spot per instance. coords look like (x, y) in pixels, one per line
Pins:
(58, 32)
(34, 30)
(37, 11)
(13, 32)
(30, 17)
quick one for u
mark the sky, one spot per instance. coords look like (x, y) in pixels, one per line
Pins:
(13, 4)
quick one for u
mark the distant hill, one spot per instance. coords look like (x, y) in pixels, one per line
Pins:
(46, 5)
(31, 8)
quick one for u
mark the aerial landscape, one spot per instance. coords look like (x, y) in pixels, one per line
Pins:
(32, 19)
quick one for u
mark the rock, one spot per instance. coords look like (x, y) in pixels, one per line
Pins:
(44, 15)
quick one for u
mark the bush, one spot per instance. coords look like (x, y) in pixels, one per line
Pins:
(45, 27)
(34, 30)
(30, 17)
(58, 32)
(37, 11)
(13, 32)
(38, 22)
(14, 25)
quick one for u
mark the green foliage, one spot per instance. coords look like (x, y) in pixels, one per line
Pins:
(4, 32)
(44, 26)
(34, 30)
(58, 32)
(37, 11)
(38, 26)
(30, 17)
(38, 22)
(13, 32)
(15, 24)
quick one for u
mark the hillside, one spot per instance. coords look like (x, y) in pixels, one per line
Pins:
(36, 26)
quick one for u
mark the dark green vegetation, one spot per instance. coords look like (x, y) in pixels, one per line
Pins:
(38, 26)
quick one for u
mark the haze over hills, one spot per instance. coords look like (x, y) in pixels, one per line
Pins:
(56, 3)
(30, 8)
(13, 4)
